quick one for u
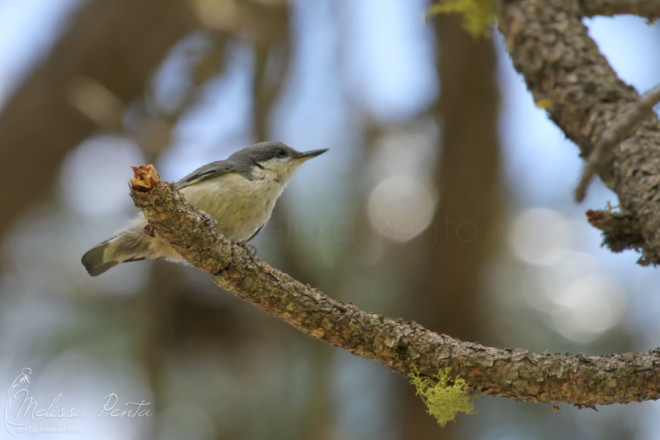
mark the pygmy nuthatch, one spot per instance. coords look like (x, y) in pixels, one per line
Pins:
(239, 193)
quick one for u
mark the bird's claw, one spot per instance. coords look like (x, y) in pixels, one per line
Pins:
(251, 250)
(209, 219)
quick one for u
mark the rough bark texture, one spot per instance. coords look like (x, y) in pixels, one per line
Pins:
(400, 345)
(568, 76)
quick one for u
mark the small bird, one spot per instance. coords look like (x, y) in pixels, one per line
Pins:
(239, 193)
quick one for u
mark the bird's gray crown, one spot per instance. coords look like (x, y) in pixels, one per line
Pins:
(263, 152)
(246, 160)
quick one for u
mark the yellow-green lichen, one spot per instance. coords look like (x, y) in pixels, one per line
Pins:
(544, 103)
(477, 15)
(443, 395)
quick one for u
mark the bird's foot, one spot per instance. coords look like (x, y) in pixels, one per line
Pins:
(208, 219)
(251, 250)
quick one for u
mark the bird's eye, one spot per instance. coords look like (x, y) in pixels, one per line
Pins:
(280, 152)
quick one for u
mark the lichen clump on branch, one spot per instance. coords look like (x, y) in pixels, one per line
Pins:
(443, 395)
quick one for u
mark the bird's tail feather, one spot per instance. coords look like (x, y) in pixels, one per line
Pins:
(130, 244)
(97, 260)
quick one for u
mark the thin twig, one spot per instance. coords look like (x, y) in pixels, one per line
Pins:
(613, 136)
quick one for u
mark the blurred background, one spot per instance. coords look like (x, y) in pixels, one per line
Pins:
(445, 198)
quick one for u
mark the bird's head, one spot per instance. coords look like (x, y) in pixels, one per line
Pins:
(273, 160)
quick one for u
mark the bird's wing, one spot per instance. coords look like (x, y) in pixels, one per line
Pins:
(206, 172)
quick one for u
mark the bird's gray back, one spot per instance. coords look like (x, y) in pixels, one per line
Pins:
(214, 170)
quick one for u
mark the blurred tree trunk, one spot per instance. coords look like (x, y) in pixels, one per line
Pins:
(468, 181)
(113, 45)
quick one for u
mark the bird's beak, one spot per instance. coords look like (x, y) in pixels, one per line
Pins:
(309, 154)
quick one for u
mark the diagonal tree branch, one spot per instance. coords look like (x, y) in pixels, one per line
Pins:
(401, 345)
(565, 71)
